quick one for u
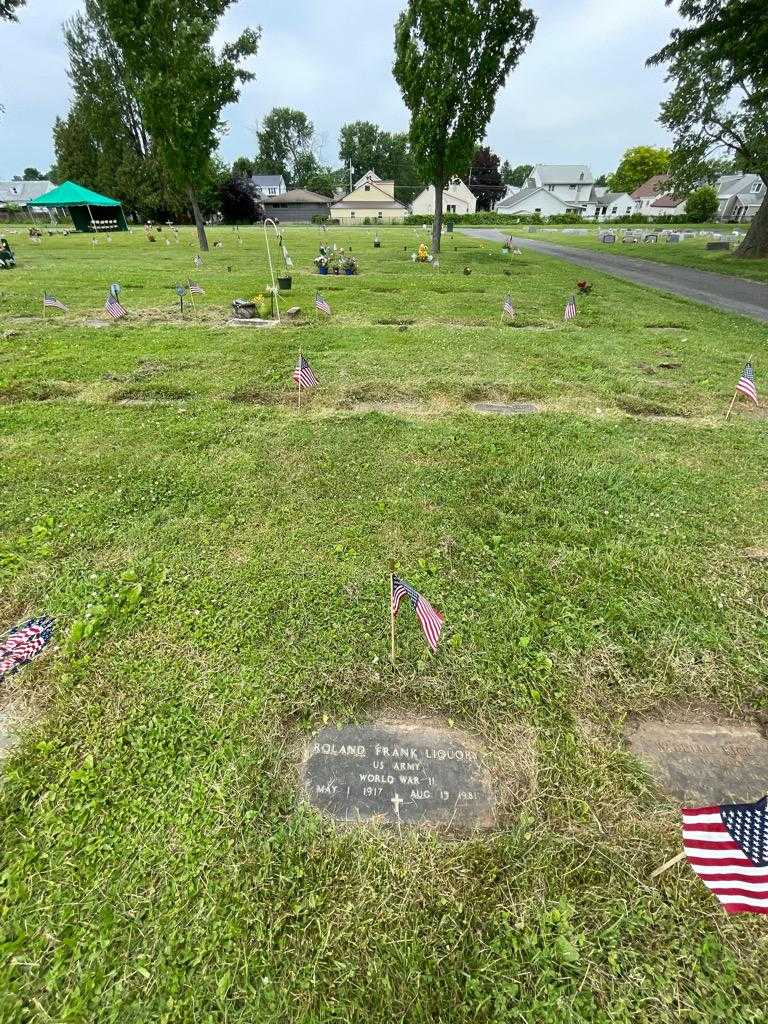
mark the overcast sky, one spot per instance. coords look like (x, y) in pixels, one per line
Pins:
(581, 93)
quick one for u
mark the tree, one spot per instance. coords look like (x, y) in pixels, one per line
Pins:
(516, 176)
(638, 165)
(450, 62)
(718, 105)
(8, 9)
(702, 204)
(286, 137)
(602, 181)
(237, 199)
(181, 85)
(367, 147)
(309, 173)
(243, 165)
(484, 178)
(32, 174)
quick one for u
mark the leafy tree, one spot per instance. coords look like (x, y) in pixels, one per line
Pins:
(312, 175)
(32, 174)
(602, 181)
(702, 204)
(450, 62)
(180, 83)
(8, 9)
(244, 165)
(237, 199)
(719, 104)
(286, 137)
(719, 101)
(638, 165)
(484, 178)
(368, 147)
(516, 176)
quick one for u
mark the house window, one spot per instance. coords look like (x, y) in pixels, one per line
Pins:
(379, 214)
(537, 210)
(450, 209)
(273, 191)
(757, 186)
(367, 188)
(352, 214)
(552, 188)
(572, 186)
(614, 209)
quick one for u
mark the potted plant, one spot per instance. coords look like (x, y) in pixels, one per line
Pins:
(349, 265)
(376, 242)
(321, 262)
(284, 283)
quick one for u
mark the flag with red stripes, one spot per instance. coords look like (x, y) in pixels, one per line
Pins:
(23, 644)
(727, 847)
(431, 621)
(746, 383)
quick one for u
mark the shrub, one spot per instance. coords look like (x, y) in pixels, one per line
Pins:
(702, 205)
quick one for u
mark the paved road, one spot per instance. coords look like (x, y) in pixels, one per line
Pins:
(732, 294)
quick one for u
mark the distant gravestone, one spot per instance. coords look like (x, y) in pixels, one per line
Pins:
(718, 246)
(673, 237)
(608, 237)
(398, 773)
(704, 763)
(505, 409)
(651, 237)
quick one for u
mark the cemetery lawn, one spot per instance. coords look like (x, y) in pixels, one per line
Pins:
(689, 252)
(216, 564)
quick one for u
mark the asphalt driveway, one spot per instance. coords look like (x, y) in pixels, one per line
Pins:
(732, 294)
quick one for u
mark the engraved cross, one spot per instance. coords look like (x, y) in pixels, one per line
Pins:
(396, 801)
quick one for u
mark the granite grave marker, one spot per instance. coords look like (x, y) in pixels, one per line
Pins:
(398, 773)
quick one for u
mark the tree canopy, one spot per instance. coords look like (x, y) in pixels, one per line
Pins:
(701, 205)
(515, 176)
(638, 165)
(180, 83)
(367, 147)
(8, 9)
(485, 179)
(286, 138)
(450, 62)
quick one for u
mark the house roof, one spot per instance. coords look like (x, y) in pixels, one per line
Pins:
(669, 201)
(297, 196)
(267, 180)
(366, 204)
(737, 185)
(511, 201)
(609, 197)
(71, 194)
(368, 176)
(652, 187)
(563, 174)
(19, 193)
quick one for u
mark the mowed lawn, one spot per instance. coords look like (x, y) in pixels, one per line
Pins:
(688, 252)
(216, 563)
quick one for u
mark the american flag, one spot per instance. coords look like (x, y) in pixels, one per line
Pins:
(53, 302)
(113, 307)
(431, 622)
(570, 308)
(746, 383)
(509, 309)
(303, 375)
(198, 261)
(195, 289)
(23, 644)
(727, 847)
(322, 304)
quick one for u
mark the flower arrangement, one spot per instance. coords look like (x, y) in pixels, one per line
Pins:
(349, 265)
(584, 287)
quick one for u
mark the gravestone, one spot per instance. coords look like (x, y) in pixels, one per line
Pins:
(672, 237)
(718, 246)
(651, 237)
(704, 763)
(608, 237)
(398, 773)
(502, 409)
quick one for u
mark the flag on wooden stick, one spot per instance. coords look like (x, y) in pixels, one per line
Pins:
(322, 304)
(727, 847)
(570, 308)
(23, 644)
(195, 289)
(303, 375)
(113, 307)
(508, 309)
(746, 383)
(431, 621)
(53, 303)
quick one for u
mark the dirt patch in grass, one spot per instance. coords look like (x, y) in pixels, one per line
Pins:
(386, 291)
(530, 326)
(637, 406)
(152, 393)
(37, 391)
(396, 321)
(256, 396)
(667, 327)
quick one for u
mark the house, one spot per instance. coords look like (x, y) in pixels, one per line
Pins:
(371, 198)
(456, 199)
(297, 204)
(647, 194)
(268, 185)
(610, 205)
(16, 194)
(668, 205)
(552, 189)
(739, 196)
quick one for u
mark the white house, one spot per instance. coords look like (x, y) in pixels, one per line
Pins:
(566, 188)
(456, 199)
(604, 205)
(371, 199)
(647, 194)
(739, 196)
(16, 194)
(266, 186)
(668, 205)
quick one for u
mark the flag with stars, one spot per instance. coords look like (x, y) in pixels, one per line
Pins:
(570, 308)
(303, 375)
(195, 289)
(746, 383)
(322, 304)
(23, 644)
(53, 302)
(198, 261)
(509, 307)
(431, 621)
(727, 847)
(113, 307)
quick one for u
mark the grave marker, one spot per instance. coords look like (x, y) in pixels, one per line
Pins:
(398, 773)
(505, 409)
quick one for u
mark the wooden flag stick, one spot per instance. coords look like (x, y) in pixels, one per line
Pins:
(43, 305)
(299, 379)
(391, 610)
(668, 865)
(191, 297)
(730, 407)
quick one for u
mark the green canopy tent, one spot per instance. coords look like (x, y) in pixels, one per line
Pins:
(89, 210)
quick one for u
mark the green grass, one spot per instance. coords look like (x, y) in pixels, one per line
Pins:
(688, 252)
(216, 564)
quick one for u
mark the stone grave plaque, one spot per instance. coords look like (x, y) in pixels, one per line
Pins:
(718, 246)
(398, 773)
(503, 409)
(704, 763)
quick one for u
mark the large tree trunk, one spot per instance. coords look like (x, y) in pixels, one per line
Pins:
(755, 245)
(437, 227)
(199, 222)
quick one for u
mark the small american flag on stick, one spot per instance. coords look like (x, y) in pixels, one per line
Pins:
(570, 308)
(195, 289)
(23, 644)
(431, 621)
(53, 303)
(322, 304)
(727, 847)
(303, 375)
(508, 308)
(113, 307)
(746, 383)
